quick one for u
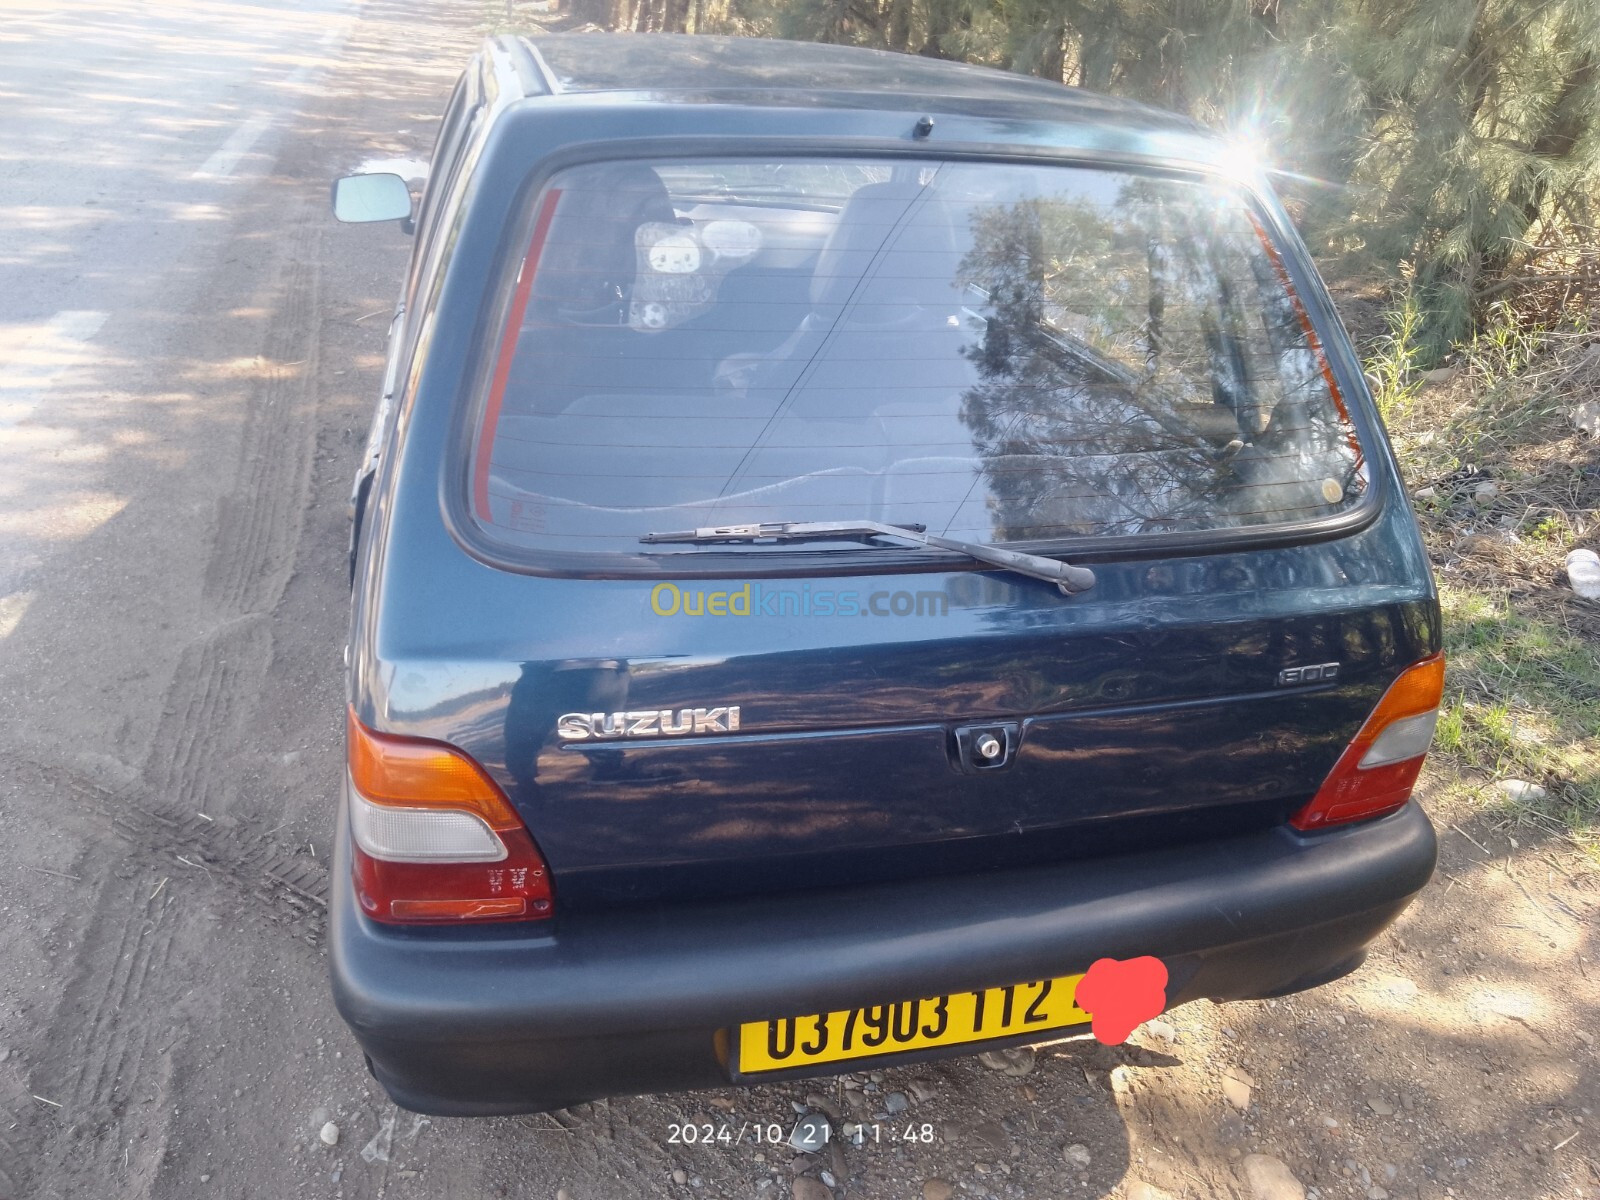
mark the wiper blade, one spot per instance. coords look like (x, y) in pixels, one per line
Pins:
(1068, 578)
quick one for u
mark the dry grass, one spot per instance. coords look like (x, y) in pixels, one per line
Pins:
(1505, 486)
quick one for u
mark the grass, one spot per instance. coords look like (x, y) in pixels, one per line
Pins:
(1505, 487)
(1522, 701)
(1392, 361)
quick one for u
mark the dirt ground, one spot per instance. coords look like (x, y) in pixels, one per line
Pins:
(170, 734)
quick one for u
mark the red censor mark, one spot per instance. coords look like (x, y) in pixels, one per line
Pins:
(1122, 995)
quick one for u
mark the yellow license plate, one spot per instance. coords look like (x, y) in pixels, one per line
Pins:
(788, 1043)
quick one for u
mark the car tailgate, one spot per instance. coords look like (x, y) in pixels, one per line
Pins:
(1128, 726)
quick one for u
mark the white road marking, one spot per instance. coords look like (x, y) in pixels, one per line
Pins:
(27, 372)
(221, 164)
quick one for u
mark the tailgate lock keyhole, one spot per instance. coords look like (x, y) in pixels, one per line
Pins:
(985, 747)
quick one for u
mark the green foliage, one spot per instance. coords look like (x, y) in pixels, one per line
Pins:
(1452, 143)
(1504, 346)
(1522, 698)
(1552, 528)
(1393, 362)
(1487, 145)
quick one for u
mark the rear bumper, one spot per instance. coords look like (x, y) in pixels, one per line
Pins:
(624, 1003)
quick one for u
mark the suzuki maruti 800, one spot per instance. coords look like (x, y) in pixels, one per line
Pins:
(858, 559)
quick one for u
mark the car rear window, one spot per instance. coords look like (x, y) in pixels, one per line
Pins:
(997, 352)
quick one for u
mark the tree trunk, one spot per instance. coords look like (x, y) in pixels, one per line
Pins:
(899, 24)
(1053, 63)
(1099, 52)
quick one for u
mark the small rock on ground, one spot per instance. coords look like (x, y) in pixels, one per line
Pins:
(810, 1132)
(811, 1189)
(824, 1105)
(1380, 1106)
(1269, 1178)
(680, 1176)
(1162, 1031)
(1016, 1062)
(937, 1189)
(1023, 1059)
(329, 1134)
(1236, 1092)
(1077, 1155)
(1139, 1190)
(1520, 791)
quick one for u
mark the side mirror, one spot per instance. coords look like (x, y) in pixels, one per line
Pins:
(364, 198)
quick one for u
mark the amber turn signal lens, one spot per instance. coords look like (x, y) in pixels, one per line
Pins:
(410, 772)
(1364, 784)
(1418, 690)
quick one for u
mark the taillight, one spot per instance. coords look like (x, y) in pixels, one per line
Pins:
(1378, 769)
(433, 838)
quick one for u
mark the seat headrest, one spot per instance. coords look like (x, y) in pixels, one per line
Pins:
(875, 217)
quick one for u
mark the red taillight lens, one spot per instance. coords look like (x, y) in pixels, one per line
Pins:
(433, 839)
(1378, 769)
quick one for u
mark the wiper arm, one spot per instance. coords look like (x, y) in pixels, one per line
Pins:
(1068, 578)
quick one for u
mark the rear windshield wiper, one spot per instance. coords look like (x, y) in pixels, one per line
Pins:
(1068, 578)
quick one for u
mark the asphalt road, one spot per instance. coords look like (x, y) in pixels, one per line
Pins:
(189, 352)
(187, 361)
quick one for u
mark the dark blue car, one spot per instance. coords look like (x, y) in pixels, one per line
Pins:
(858, 558)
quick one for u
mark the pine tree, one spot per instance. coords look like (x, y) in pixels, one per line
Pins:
(1453, 143)
(1483, 144)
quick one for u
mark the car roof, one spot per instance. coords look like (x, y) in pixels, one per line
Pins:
(693, 67)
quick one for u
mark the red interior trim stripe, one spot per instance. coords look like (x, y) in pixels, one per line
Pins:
(1314, 342)
(508, 351)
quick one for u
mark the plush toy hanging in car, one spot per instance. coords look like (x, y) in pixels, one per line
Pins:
(680, 268)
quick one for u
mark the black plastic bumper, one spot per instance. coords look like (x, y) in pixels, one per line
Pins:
(627, 1003)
